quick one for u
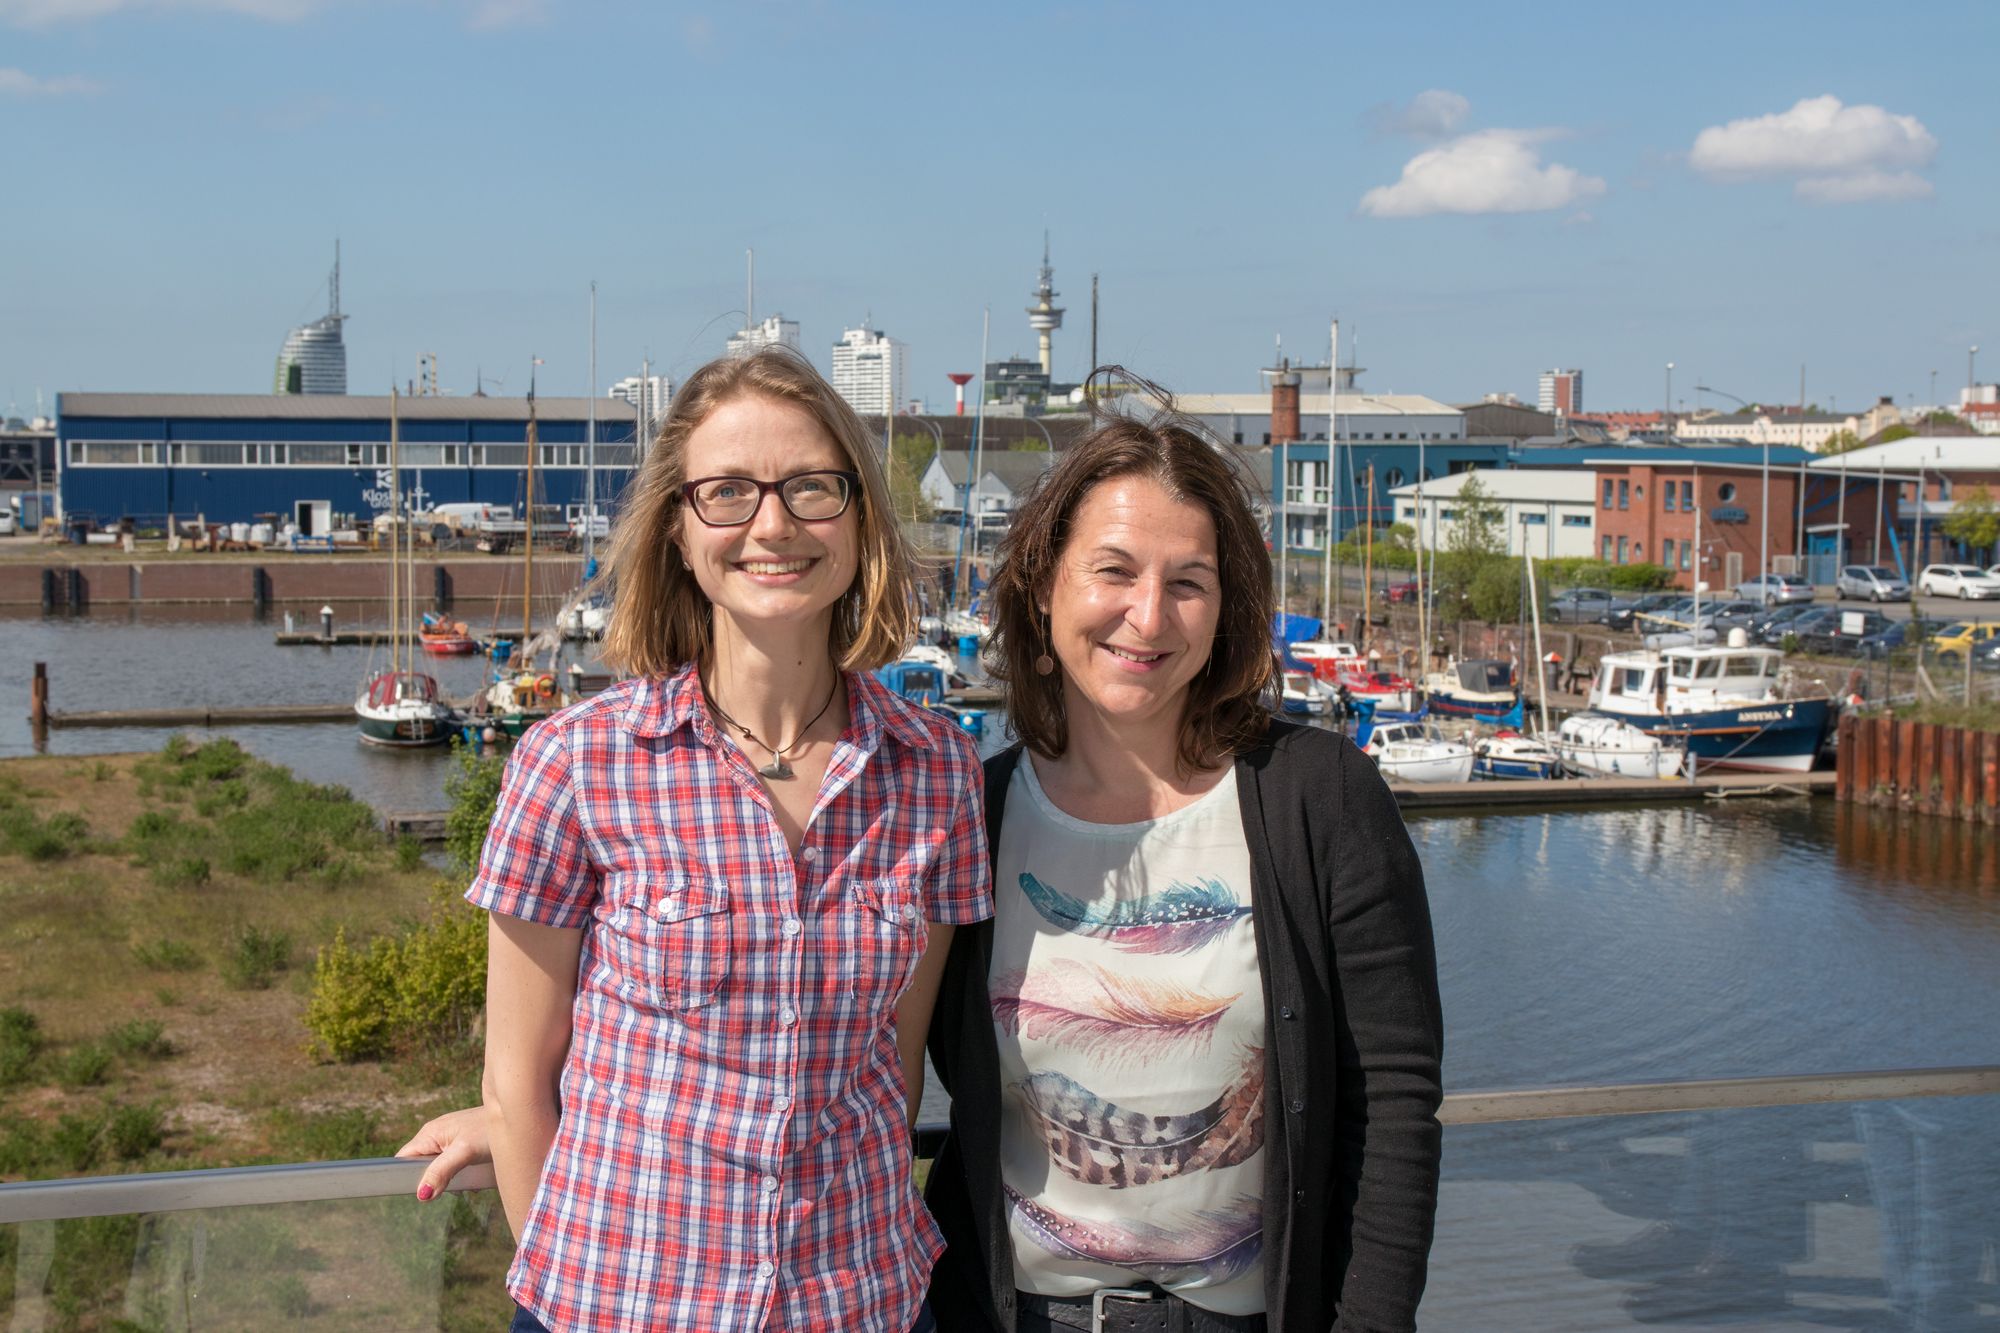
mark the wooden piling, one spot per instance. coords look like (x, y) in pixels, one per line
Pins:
(38, 697)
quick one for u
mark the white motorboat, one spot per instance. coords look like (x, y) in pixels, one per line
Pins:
(1418, 752)
(587, 617)
(1301, 693)
(1511, 756)
(1598, 746)
(1732, 706)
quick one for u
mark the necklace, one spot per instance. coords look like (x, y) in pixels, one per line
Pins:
(777, 768)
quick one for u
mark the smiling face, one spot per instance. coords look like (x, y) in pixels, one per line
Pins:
(1134, 603)
(776, 570)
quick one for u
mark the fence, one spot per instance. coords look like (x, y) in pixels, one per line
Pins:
(1921, 766)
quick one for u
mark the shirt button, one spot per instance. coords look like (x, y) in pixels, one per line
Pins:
(663, 906)
(787, 1016)
(783, 1103)
(909, 914)
(792, 926)
(1301, 1196)
(770, 1184)
(766, 1268)
(1298, 1105)
(1285, 1011)
(810, 853)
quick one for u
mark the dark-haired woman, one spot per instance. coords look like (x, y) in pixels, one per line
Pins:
(1194, 1057)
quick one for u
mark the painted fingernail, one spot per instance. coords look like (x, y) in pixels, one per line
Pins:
(425, 1193)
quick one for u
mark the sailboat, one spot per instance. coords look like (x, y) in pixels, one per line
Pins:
(401, 707)
(522, 695)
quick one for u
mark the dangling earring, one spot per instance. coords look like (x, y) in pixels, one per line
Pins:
(1045, 664)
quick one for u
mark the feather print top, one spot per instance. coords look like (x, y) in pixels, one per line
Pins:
(1130, 1019)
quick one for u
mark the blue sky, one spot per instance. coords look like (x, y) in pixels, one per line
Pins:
(1477, 197)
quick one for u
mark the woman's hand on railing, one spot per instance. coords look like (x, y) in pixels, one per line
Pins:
(456, 1140)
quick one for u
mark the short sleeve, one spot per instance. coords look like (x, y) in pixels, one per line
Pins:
(534, 865)
(961, 886)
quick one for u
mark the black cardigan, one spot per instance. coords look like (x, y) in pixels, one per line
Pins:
(1349, 973)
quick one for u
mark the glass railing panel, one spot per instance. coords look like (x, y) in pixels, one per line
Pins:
(1876, 1215)
(386, 1263)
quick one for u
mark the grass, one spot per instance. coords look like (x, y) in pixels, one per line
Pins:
(165, 1024)
(1940, 712)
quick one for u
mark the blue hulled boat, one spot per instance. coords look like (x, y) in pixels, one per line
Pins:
(1726, 703)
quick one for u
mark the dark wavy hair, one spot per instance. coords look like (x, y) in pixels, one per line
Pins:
(1224, 713)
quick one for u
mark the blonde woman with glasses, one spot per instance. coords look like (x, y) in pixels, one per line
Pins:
(721, 895)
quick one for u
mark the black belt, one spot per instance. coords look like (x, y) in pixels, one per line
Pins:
(1134, 1310)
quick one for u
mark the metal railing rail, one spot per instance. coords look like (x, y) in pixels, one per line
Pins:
(314, 1182)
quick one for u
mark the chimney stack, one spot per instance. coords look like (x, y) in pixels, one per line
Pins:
(1285, 404)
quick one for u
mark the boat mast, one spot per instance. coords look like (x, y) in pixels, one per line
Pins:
(395, 523)
(1535, 614)
(528, 555)
(1368, 559)
(590, 451)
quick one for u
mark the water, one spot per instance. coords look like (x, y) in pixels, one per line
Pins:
(1586, 946)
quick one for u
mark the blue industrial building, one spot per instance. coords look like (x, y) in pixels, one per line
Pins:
(1304, 466)
(237, 457)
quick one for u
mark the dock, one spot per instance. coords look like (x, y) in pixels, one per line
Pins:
(205, 717)
(340, 638)
(1608, 791)
(424, 826)
(975, 696)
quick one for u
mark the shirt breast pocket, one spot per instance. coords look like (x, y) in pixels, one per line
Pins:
(885, 929)
(671, 939)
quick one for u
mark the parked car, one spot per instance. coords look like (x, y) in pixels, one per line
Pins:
(1899, 635)
(1652, 601)
(1967, 581)
(6, 521)
(1731, 615)
(1774, 624)
(1838, 634)
(1953, 641)
(1817, 620)
(1405, 591)
(1775, 589)
(1667, 617)
(1878, 583)
(1582, 605)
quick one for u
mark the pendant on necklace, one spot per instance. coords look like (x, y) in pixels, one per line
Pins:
(777, 768)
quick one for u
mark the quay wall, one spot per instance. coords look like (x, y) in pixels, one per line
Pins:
(1920, 766)
(220, 582)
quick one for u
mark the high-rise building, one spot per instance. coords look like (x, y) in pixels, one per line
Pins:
(770, 331)
(648, 395)
(314, 357)
(1561, 392)
(868, 370)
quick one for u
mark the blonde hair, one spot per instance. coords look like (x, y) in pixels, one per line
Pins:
(660, 617)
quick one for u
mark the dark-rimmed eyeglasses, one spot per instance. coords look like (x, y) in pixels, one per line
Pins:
(810, 497)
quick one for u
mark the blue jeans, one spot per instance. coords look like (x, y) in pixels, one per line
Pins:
(527, 1323)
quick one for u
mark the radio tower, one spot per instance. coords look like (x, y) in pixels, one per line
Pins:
(1044, 316)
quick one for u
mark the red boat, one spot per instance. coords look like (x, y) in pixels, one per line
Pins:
(445, 638)
(1384, 689)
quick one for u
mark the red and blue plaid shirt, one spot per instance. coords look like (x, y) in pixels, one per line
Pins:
(733, 1151)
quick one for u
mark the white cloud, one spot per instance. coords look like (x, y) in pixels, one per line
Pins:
(1832, 152)
(20, 83)
(1431, 114)
(1487, 171)
(491, 14)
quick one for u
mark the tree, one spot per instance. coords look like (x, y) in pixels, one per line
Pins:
(1896, 432)
(1476, 524)
(1974, 521)
(1840, 442)
(909, 458)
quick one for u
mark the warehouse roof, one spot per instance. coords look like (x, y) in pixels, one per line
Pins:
(333, 407)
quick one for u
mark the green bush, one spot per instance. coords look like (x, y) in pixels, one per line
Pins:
(231, 794)
(83, 1066)
(1583, 572)
(133, 1131)
(409, 854)
(165, 955)
(76, 1141)
(353, 994)
(20, 1042)
(427, 984)
(474, 792)
(256, 958)
(329, 1136)
(181, 872)
(23, 1146)
(59, 836)
(142, 1038)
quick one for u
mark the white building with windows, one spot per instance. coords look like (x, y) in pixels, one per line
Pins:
(770, 331)
(868, 370)
(1245, 418)
(1547, 512)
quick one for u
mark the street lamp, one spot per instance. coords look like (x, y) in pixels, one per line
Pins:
(1667, 409)
(1764, 485)
(1971, 380)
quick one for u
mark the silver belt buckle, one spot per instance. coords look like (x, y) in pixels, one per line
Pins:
(1098, 1297)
